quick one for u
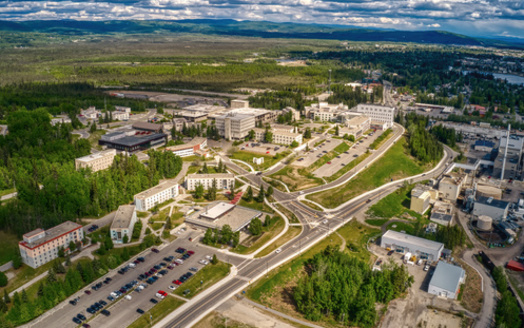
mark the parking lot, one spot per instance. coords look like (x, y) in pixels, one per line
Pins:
(124, 311)
(313, 155)
(262, 148)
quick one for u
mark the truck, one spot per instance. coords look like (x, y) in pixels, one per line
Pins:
(407, 257)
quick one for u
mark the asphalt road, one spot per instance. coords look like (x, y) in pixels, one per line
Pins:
(123, 312)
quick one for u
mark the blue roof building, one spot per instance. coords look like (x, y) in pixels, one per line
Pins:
(446, 280)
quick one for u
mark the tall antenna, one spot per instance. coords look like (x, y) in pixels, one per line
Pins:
(329, 83)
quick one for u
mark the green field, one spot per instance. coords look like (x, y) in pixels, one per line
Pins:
(158, 312)
(291, 233)
(394, 164)
(394, 204)
(296, 179)
(203, 279)
(247, 156)
(255, 205)
(381, 139)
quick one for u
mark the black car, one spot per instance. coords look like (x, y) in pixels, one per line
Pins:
(140, 311)
(76, 320)
(120, 271)
(141, 259)
(166, 259)
(153, 301)
(81, 316)
(90, 310)
(157, 267)
(106, 313)
(72, 302)
(110, 298)
(142, 277)
(163, 272)
(102, 302)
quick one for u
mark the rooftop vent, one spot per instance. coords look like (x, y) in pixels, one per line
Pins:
(489, 200)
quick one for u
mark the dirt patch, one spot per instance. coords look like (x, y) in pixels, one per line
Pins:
(439, 319)
(217, 320)
(295, 181)
(472, 295)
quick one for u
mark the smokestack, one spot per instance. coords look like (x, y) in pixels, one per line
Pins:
(505, 154)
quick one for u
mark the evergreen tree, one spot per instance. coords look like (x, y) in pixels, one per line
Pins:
(249, 194)
(3, 279)
(199, 191)
(255, 227)
(214, 260)
(261, 194)
(269, 191)
(7, 299)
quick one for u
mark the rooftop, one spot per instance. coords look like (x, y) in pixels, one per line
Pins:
(490, 201)
(191, 144)
(130, 141)
(217, 211)
(399, 236)
(50, 234)
(418, 191)
(515, 142)
(147, 126)
(156, 189)
(123, 217)
(187, 113)
(485, 143)
(237, 217)
(98, 155)
(447, 276)
(211, 176)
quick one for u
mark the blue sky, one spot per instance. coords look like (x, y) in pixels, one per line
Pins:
(491, 18)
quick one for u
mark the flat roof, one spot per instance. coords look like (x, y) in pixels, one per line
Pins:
(130, 141)
(447, 276)
(51, 233)
(147, 126)
(192, 113)
(191, 144)
(490, 201)
(441, 216)
(237, 217)
(515, 142)
(123, 217)
(211, 176)
(156, 189)
(216, 211)
(98, 155)
(414, 240)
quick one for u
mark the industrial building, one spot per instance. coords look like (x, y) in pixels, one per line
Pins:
(234, 126)
(158, 194)
(513, 156)
(41, 246)
(494, 208)
(420, 199)
(222, 180)
(450, 186)
(189, 149)
(378, 113)
(442, 213)
(148, 127)
(97, 161)
(218, 214)
(446, 280)
(137, 142)
(402, 243)
(484, 145)
(123, 223)
(193, 116)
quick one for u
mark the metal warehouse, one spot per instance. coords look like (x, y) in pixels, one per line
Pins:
(446, 280)
(422, 248)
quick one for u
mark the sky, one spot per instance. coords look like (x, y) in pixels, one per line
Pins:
(486, 18)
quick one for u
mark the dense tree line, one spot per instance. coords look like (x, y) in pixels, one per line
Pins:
(347, 96)
(224, 236)
(345, 289)
(276, 100)
(421, 143)
(39, 160)
(446, 135)
(507, 313)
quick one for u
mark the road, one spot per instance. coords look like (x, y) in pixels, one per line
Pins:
(123, 312)
(313, 231)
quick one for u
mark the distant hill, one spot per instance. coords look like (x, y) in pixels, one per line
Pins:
(247, 28)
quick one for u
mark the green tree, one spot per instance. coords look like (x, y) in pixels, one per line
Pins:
(307, 133)
(226, 234)
(294, 144)
(255, 227)
(72, 246)
(251, 135)
(125, 240)
(3, 309)
(268, 136)
(269, 191)
(199, 191)
(261, 194)
(17, 261)
(351, 138)
(7, 299)
(214, 260)
(61, 251)
(249, 194)
(212, 191)
(3, 279)
(336, 130)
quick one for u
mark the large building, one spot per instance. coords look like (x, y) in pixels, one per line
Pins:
(193, 116)
(97, 161)
(158, 194)
(403, 243)
(356, 124)
(233, 126)
(280, 136)
(513, 157)
(420, 199)
(148, 127)
(378, 113)
(223, 180)
(123, 223)
(442, 213)
(120, 116)
(218, 214)
(451, 185)
(139, 141)
(237, 103)
(446, 280)
(494, 208)
(189, 149)
(41, 246)
(324, 112)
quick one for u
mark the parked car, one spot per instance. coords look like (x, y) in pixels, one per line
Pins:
(81, 317)
(106, 313)
(76, 320)
(154, 250)
(139, 310)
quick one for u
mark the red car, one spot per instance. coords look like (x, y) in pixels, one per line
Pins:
(190, 252)
(329, 162)
(170, 267)
(177, 282)
(87, 292)
(154, 250)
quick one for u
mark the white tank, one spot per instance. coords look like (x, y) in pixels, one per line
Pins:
(484, 222)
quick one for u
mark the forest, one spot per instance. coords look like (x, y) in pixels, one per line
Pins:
(38, 159)
(421, 143)
(344, 288)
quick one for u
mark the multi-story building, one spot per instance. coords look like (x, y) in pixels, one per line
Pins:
(90, 113)
(97, 161)
(237, 103)
(120, 116)
(262, 116)
(235, 126)
(324, 112)
(158, 194)
(60, 119)
(132, 143)
(377, 113)
(420, 199)
(123, 109)
(451, 185)
(123, 223)
(494, 208)
(148, 127)
(193, 116)
(356, 124)
(513, 156)
(223, 180)
(280, 136)
(41, 246)
(188, 149)
(295, 114)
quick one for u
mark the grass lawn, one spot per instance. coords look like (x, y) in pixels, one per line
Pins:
(409, 228)
(142, 214)
(256, 205)
(255, 244)
(208, 275)
(292, 217)
(296, 179)
(394, 164)
(158, 312)
(244, 166)
(377, 222)
(357, 236)
(291, 233)
(7, 191)
(161, 216)
(156, 226)
(269, 161)
(23, 275)
(94, 137)
(310, 204)
(8, 246)
(348, 167)
(394, 204)
(177, 218)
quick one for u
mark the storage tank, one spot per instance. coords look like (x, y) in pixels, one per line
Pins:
(484, 222)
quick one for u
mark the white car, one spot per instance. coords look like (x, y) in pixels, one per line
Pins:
(278, 250)
(173, 287)
(209, 257)
(203, 262)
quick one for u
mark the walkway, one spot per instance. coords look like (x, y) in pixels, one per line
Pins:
(280, 314)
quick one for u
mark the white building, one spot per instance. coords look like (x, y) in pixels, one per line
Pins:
(120, 116)
(223, 180)
(451, 185)
(90, 113)
(123, 109)
(190, 148)
(97, 161)
(378, 113)
(420, 247)
(494, 208)
(234, 126)
(158, 194)
(123, 223)
(237, 103)
(324, 112)
(62, 119)
(446, 280)
(280, 136)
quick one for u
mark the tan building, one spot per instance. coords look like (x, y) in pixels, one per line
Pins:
(223, 180)
(158, 194)
(451, 185)
(120, 116)
(280, 137)
(239, 104)
(420, 199)
(295, 114)
(97, 161)
(324, 112)
(234, 126)
(41, 246)
(123, 223)
(356, 125)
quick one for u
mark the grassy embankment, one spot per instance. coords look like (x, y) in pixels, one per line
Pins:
(158, 312)
(203, 279)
